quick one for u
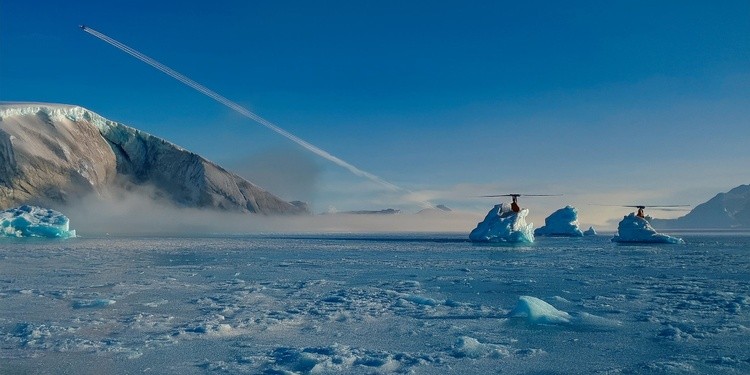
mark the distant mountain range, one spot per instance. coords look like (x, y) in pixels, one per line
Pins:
(730, 210)
(55, 155)
(387, 211)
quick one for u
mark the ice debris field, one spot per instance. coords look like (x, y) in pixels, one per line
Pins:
(416, 304)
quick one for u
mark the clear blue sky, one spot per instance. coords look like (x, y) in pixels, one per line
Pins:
(605, 102)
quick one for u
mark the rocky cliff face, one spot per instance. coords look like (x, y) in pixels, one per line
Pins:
(724, 211)
(56, 154)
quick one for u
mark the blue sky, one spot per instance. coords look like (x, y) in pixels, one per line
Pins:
(605, 102)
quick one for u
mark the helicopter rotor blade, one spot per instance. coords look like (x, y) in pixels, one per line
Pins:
(668, 207)
(521, 195)
(643, 206)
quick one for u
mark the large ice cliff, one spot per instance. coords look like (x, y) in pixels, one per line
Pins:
(55, 154)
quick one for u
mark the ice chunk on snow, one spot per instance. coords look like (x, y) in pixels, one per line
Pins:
(637, 229)
(503, 225)
(92, 304)
(563, 222)
(538, 312)
(469, 347)
(32, 221)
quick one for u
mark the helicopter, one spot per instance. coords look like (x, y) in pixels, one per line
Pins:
(503, 225)
(514, 205)
(641, 213)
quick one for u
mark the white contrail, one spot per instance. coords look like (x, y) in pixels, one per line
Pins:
(243, 111)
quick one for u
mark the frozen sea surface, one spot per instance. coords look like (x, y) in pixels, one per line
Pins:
(421, 304)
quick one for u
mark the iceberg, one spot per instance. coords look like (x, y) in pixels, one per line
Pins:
(503, 225)
(537, 311)
(32, 221)
(636, 229)
(563, 222)
(590, 232)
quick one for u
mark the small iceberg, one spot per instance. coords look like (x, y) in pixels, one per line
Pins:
(32, 221)
(590, 232)
(504, 226)
(635, 229)
(536, 311)
(562, 223)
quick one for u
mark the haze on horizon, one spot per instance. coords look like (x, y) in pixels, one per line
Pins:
(604, 103)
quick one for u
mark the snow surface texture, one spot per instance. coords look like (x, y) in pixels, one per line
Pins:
(55, 154)
(404, 304)
(563, 223)
(31, 221)
(637, 229)
(503, 225)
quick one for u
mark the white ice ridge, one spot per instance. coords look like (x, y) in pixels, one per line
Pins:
(54, 111)
(563, 222)
(636, 229)
(32, 221)
(503, 225)
(69, 112)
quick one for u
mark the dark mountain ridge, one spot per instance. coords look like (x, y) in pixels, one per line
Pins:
(54, 155)
(730, 210)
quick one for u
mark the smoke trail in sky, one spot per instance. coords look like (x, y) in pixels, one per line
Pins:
(245, 112)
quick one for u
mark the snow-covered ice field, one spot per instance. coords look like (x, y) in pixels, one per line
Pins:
(363, 304)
